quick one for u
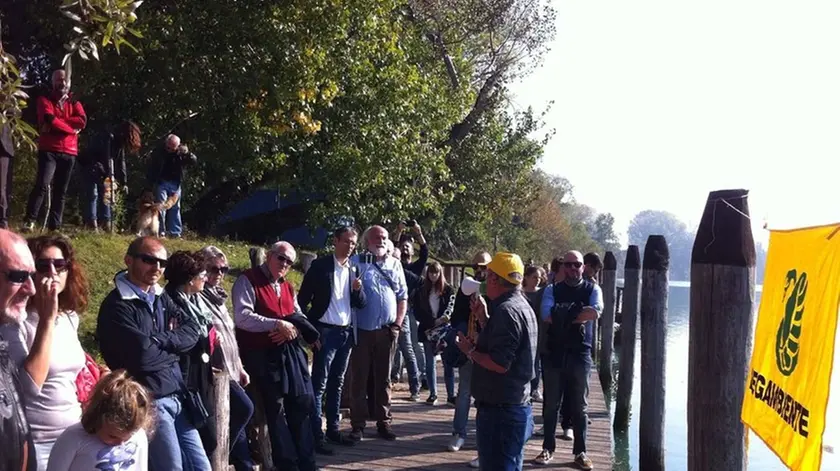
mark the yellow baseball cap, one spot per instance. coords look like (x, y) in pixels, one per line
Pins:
(509, 266)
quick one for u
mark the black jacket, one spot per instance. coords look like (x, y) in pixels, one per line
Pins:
(423, 311)
(95, 159)
(168, 166)
(418, 265)
(317, 287)
(131, 337)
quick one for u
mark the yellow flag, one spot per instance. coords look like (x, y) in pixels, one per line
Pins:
(790, 371)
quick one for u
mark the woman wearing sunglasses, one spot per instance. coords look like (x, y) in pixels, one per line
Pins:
(46, 345)
(226, 357)
(186, 275)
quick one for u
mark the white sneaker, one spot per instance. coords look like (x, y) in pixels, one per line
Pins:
(583, 462)
(536, 396)
(539, 432)
(568, 434)
(544, 458)
(474, 463)
(456, 443)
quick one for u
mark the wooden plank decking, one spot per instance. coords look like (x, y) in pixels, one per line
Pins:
(425, 431)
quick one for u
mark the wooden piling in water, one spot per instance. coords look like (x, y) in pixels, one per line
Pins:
(720, 332)
(607, 320)
(654, 314)
(629, 316)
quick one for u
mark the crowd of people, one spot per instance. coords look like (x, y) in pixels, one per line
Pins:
(150, 406)
(102, 174)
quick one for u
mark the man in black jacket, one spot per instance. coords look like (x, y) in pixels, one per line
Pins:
(166, 172)
(331, 289)
(141, 330)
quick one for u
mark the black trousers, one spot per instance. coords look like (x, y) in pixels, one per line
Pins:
(54, 170)
(5, 188)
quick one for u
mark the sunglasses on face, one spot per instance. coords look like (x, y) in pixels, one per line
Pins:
(19, 277)
(219, 270)
(285, 259)
(43, 265)
(572, 264)
(151, 260)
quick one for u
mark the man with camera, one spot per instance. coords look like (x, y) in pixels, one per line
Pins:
(166, 172)
(377, 328)
(570, 307)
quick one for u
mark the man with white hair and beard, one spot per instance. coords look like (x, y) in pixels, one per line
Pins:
(16, 288)
(377, 329)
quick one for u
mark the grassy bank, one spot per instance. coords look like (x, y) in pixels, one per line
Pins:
(102, 256)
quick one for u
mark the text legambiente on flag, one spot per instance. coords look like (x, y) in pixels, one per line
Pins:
(790, 371)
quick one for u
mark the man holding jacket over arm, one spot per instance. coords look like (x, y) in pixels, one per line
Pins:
(141, 330)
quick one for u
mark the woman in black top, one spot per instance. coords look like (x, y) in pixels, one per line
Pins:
(186, 275)
(433, 304)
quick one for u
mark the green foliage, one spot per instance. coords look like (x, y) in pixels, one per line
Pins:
(603, 232)
(13, 99)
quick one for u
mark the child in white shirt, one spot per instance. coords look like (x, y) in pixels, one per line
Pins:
(112, 433)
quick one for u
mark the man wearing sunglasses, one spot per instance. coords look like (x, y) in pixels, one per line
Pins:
(142, 330)
(17, 269)
(268, 321)
(570, 307)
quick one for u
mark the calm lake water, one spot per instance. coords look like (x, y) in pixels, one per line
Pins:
(676, 397)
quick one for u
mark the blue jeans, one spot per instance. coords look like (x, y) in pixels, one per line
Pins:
(462, 404)
(328, 367)
(502, 431)
(406, 348)
(176, 445)
(94, 208)
(241, 410)
(171, 218)
(431, 372)
(567, 383)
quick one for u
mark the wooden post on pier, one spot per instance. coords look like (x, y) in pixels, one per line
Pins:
(720, 332)
(221, 401)
(607, 321)
(654, 314)
(629, 316)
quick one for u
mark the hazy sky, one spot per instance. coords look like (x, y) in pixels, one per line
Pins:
(658, 102)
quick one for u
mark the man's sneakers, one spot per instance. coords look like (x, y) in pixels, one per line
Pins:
(415, 397)
(568, 434)
(456, 443)
(544, 458)
(474, 463)
(322, 449)
(357, 434)
(432, 400)
(536, 396)
(339, 439)
(583, 461)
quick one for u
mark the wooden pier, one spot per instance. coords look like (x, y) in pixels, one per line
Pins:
(424, 432)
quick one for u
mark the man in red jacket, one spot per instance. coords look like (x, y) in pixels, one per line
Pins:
(60, 119)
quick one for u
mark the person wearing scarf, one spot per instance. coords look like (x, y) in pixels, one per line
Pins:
(186, 276)
(226, 357)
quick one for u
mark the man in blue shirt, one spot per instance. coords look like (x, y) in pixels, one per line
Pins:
(570, 307)
(377, 327)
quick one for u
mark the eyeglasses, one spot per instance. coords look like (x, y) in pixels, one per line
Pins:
(43, 265)
(19, 277)
(572, 264)
(285, 259)
(219, 270)
(150, 260)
